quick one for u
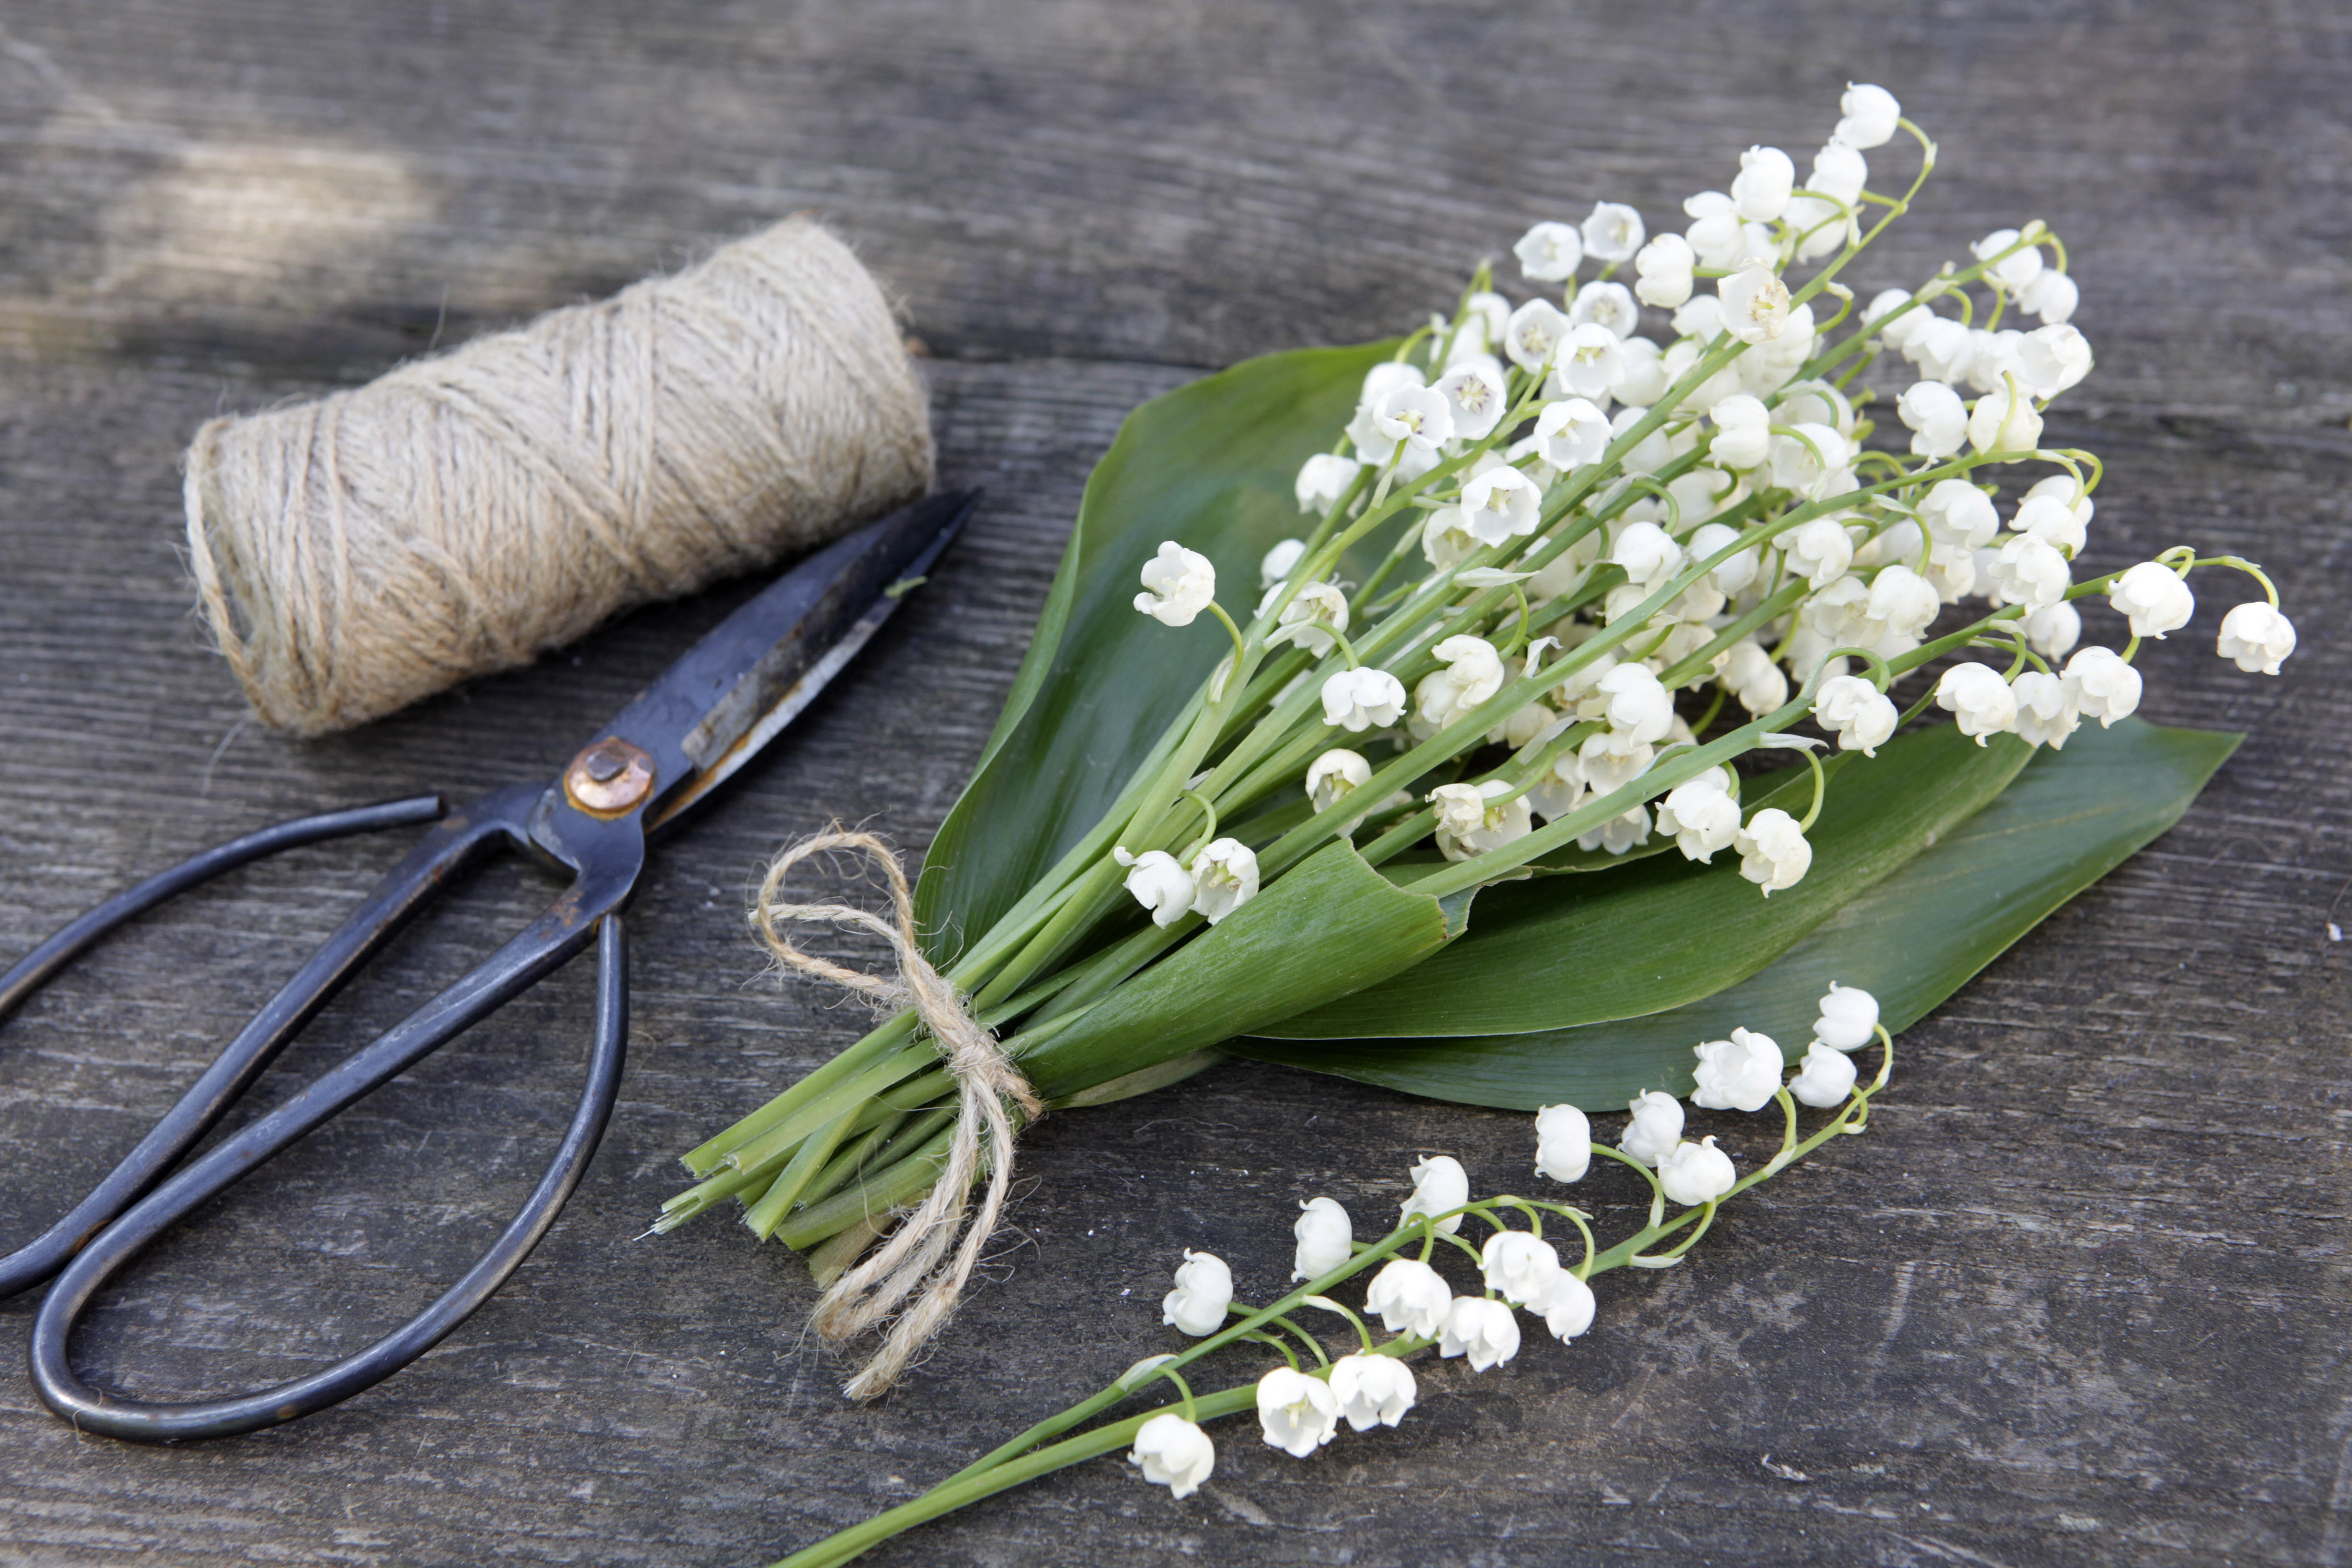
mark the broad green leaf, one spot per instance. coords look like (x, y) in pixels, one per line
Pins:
(1330, 925)
(1561, 950)
(1912, 941)
(1210, 465)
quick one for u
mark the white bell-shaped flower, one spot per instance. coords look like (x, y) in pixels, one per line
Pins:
(1759, 685)
(1445, 537)
(2053, 359)
(2004, 421)
(1862, 715)
(1439, 1185)
(1613, 233)
(1644, 379)
(1374, 1390)
(1313, 614)
(1224, 877)
(1323, 478)
(1883, 308)
(1591, 362)
(1825, 1079)
(1417, 416)
(1335, 775)
(2012, 271)
(1173, 1453)
(2052, 295)
(1958, 515)
(2054, 630)
(1519, 1268)
(1719, 238)
(1813, 461)
(1848, 1018)
(1361, 700)
(1204, 1290)
(2108, 688)
(1902, 601)
(1739, 570)
(1609, 306)
(1696, 1174)
(1549, 253)
(1158, 882)
(1325, 1235)
(1178, 585)
(1473, 818)
(1298, 1414)
(1487, 1331)
(1501, 503)
(1868, 116)
(1533, 335)
(2256, 636)
(1742, 432)
(1654, 1128)
(1275, 565)
(1841, 171)
(1626, 831)
(1701, 814)
(1941, 348)
(1570, 1311)
(1563, 1143)
(1773, 850)
(1937, 418)
(1976, 696)
(1408, 1297)
(1754, 302)
(1386, 377)
(1475, 397)
(1760, 191)
(1570, 433)
(1700, 319)
(2030, 571)
(1648, 553)
(1818, 550)
(1664, 271)
(2154, 598)
(1610, 761)
(2048, 709)
(1639, 707)
(1742, 1073)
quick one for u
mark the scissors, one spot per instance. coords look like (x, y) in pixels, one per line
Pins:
(643, 774)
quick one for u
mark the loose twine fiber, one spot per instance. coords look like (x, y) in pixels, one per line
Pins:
(469, 510)
(912, 1259)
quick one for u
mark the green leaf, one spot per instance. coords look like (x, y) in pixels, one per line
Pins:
(1210, 465)
(1330, 925)
(1912, 941)
(1558, 952)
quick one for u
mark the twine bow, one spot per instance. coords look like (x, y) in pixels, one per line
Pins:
(912, 1259)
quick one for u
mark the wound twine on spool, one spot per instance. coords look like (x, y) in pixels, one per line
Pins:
(467, 511)
(915, 1255)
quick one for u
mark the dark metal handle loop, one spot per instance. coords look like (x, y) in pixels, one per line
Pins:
(545, 945)
(395, 904)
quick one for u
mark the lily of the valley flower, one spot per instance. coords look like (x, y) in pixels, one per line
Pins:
(1361, 700)
(1701, 814)
(2029, 571)
(1416, 416)
(1570, 433)
(2054, 630)
(1473, 818)
(1849, 1017)
(1276, 565)
(1204, 1289)
(1314, 612)
(1756, 682)
(1869, 116)
(1549, 253)
(2256, 636)
(1499, 504)
(1160, 883)
(1613, 233)
(1374, 1390)
(1742, 434)
(1335, 775)
(1606, 305)
(1862, 715)
(1591, 362)
(1563, 1143)
(1323, 478)
(2048, 709)
(1754, 302)
(1664, 271)
(1570, 1311)
(1762, 190)
(1224, 877)
(1696, 1174)
(1826, 1079)
(1474, 393)
(1820, 549)
(1178, 585)
(1439, 1186)
(2155, 599)
(1741, 1073)
(1773, 851)
(1976, 696)
(1533, 335)
(1175, 1453)
(1324, 1233)
(1298, 1414)
(1937, 418)
(1654, 1127)
(1487, 1331)
(1519, 1268)
(2005, 421)
(1410, 1298)
(2108, 686)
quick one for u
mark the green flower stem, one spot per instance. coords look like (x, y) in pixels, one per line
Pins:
(811, 1157)
(861, 1054)
(815, 1111)
(900, 1183)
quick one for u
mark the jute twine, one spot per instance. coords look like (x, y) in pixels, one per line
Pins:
(467, 511)
(915, 1256)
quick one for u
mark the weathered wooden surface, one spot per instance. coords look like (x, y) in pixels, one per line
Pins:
(2080, 1298)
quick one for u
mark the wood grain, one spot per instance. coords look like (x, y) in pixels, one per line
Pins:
(2081, 1297)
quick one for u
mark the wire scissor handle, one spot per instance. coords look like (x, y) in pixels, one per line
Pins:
(115, 1223)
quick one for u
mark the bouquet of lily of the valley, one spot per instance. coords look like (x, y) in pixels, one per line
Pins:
(1509, 709)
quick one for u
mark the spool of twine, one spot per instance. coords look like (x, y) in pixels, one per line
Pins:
(467, 511)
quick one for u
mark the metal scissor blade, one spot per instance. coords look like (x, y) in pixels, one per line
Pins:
(733, 691)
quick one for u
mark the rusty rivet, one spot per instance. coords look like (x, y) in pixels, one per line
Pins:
(609, 777)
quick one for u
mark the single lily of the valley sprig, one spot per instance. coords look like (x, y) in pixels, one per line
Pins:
(1531, 1258)
(1557, 577)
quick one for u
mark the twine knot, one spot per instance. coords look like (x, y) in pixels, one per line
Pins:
(914, 1258)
